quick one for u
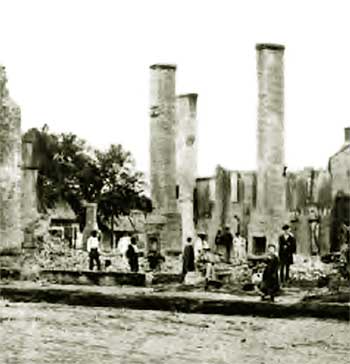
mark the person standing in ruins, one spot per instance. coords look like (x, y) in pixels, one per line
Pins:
(227, 240)
(207, 264)
(239, 247)
(188, 258)
(287, 247)
(219, 245)
(93, 247)
(270, 285)
(133, 256)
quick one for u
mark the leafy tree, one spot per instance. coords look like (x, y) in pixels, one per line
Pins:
(70, 171)
(123, 187)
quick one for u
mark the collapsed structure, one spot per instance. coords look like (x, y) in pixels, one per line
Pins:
(316, 203)
(270, 210)
(11, 234)
(164, 224)
(256, 203)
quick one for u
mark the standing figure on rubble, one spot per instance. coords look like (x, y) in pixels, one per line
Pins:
(239, 248)
(208, 261)
(287, 247)
(227, 240)
(219, 244)
(269, 285)
(188, 259)
(93, 246)
(133, 256)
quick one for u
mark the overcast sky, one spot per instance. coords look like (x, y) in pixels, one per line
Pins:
(83, 67)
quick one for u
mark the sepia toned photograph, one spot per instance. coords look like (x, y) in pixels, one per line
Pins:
(174, 181)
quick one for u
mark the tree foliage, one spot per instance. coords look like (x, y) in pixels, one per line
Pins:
(73, 172)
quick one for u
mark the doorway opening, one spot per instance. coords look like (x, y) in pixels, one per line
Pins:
(259, 245)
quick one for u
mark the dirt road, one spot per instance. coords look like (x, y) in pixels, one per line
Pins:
(43, 333)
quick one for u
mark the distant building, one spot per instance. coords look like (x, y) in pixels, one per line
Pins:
(339, 168)
(64, 223)
(132, 224)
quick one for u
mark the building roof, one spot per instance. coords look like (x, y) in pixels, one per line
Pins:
(62, 211)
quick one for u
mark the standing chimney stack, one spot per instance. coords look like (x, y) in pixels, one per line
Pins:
(270, 214)
(162, 133)
(270, 133)
(186, 154)
(166, 225)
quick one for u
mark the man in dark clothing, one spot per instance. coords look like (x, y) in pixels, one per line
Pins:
(220, 248)
(132, 255)
(93, 247)
(188, 258)
(287, 247)
(269, 285)
(227, 241)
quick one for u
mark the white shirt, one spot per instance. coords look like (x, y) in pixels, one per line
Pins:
(92, 243)
(123, 244)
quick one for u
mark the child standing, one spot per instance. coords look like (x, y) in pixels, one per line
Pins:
(270, 285)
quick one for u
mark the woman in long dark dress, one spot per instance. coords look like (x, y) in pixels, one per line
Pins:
(188, 258)
(270, 284)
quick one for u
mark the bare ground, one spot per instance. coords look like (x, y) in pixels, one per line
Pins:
(44, 333)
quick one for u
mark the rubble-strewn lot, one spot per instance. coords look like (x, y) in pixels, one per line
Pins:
(54, 254)
(309, 269)
(42, 333)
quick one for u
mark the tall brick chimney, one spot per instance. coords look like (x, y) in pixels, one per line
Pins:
(347, 135)
(162, 144)
(186, 159)
(165, 224)
(270, 213)
(270, 133)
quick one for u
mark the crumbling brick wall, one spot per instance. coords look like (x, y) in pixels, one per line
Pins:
(10, 174)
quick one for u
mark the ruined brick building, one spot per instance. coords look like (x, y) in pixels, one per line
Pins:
(11, 234)
(258, 203)
(314, 202)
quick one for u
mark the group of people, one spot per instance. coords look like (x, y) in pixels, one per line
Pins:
(127, 247)
(229, 246)
(128, 251)
(199, 257)
(276, 271)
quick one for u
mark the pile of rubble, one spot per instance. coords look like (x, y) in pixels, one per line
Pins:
(53, 253)
(309, 269)
(56, 254)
